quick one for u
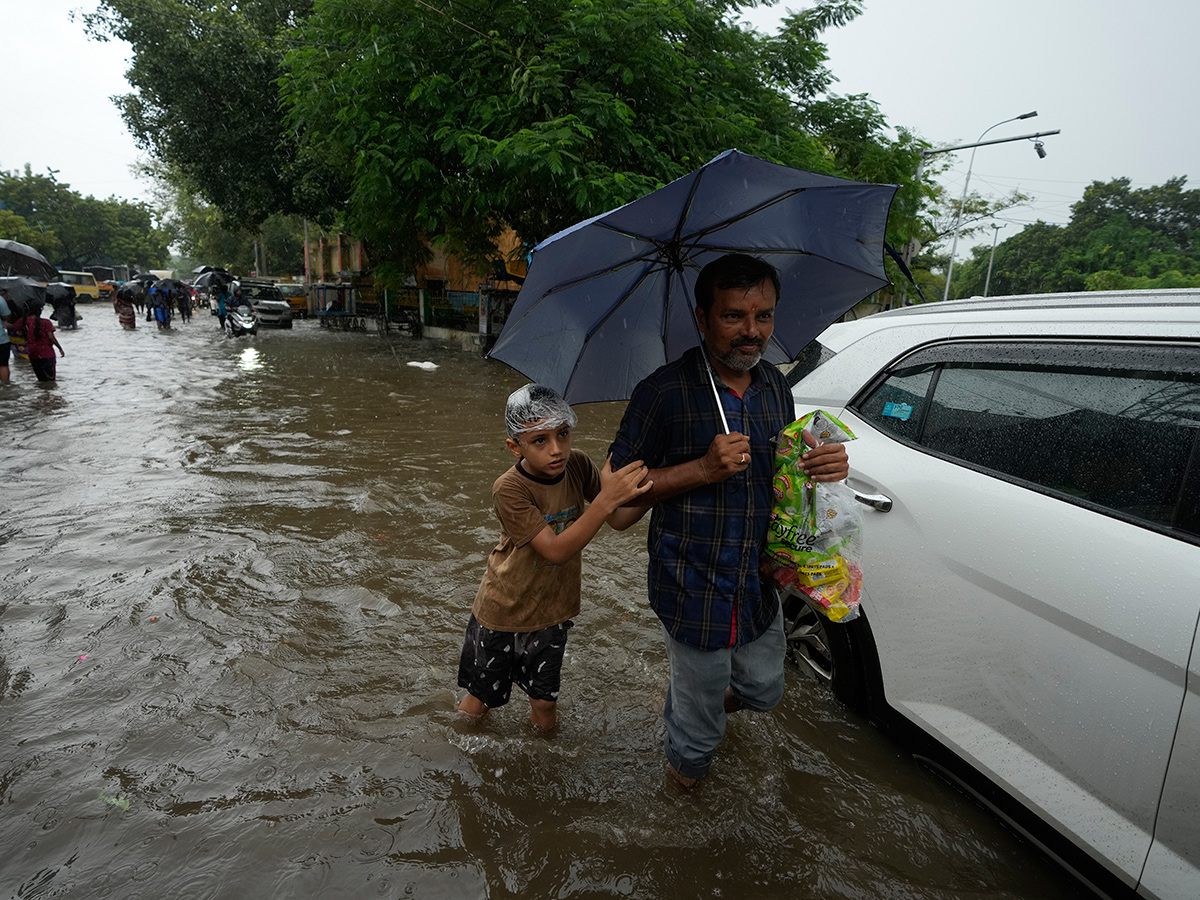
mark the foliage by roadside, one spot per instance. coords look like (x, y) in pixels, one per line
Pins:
(205, 104)
(1119, 238)
(72, 230)
(537, 115)
(425, 123)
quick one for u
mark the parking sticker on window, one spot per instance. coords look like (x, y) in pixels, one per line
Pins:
(900, 411)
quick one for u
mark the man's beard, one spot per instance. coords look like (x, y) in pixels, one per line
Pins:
(736, 359)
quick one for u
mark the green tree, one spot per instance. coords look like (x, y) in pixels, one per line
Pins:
(74, 230)
(1118, 238)
(17, 228)
(204, 100)
(533, 116)
(204, 236)
(450, 123)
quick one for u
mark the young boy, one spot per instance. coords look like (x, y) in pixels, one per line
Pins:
(531, 590)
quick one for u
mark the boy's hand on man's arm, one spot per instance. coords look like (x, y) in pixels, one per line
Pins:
(618, 487)
(615, 489)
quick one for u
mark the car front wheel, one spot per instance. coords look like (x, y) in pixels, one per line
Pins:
(836, 653)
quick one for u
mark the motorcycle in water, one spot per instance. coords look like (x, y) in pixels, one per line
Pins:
(240, 320)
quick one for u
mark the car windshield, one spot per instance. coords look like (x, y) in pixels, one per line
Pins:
(257, 292)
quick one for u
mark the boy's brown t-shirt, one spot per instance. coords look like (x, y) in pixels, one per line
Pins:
(520, 590)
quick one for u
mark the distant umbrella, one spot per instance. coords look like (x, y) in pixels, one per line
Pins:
(59, 290)
(24, 294)
(170, 284)
(145, 278)
(212, 278)
(21, 259)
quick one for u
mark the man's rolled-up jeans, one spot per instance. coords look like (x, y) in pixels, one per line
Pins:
(694, 711)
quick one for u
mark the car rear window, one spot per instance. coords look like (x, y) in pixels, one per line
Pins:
(1108, 426)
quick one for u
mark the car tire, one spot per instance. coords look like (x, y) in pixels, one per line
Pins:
(836, 653)
(286, 324)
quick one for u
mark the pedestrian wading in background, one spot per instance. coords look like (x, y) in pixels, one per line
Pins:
(40, 343)
(530, 592)
(712, 501)
(6, 319)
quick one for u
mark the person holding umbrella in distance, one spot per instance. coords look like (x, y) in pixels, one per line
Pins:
(711, 501)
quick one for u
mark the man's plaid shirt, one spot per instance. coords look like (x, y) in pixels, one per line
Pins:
(704, 544)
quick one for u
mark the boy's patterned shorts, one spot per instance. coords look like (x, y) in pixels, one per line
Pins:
(493, 660)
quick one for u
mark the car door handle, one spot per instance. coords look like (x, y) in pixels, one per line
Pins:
(875, 501)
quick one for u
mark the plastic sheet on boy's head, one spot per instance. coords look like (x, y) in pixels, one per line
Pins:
(536, 407)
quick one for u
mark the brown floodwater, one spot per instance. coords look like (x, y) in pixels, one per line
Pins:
(234, 575)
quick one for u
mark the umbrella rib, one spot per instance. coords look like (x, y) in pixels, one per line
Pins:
(648, 256)
(789, 252)
(766, 204)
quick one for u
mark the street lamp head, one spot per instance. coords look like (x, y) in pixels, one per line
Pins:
(1040, 148)
(1028, 115)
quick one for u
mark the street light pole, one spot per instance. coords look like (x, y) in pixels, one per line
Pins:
(988, 281)
(963, 199)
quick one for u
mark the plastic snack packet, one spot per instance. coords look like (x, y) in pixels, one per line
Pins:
(814, 540)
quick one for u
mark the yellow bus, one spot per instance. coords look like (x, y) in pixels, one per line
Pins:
(84, 283)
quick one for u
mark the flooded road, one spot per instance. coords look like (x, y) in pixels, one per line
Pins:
(234, 575)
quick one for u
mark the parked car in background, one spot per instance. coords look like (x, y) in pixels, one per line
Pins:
(85, 284)
(1029, 469)
(297, 297)
(270, 307)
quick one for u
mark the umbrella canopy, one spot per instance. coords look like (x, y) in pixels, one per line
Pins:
(21, 259)
(59, 290)
(609, 300)
(212, 278)
(24, 294)
(145, 278)
(131, 290)
(169, 284)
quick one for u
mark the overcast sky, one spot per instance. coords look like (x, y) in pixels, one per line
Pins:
(1117, 78)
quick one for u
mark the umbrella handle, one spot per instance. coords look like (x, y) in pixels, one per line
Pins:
(716, 393)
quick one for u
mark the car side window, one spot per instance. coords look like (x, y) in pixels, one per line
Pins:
(1108, 426)
(898, 404)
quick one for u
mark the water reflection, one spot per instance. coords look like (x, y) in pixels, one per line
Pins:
(249, 360)
(243, 618)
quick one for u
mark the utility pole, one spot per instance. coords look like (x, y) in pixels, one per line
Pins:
(987, 282)
(925, 154)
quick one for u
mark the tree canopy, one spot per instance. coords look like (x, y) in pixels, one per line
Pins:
(533, 116)
(205, 101)
(1118, 238)
(450, 123)
(72, 230)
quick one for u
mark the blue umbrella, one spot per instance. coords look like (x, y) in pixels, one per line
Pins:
(609, 300)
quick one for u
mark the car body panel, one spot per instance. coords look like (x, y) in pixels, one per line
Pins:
(1173, 868)
(1062, 684)
(1043, 642)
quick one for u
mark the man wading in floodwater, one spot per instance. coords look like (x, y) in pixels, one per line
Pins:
(712, 501)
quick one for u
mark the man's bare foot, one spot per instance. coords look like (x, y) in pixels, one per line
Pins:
(681, 780)
(732, 704)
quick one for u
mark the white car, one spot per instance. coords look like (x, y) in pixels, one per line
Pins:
(1030, 474)
(269, 304)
